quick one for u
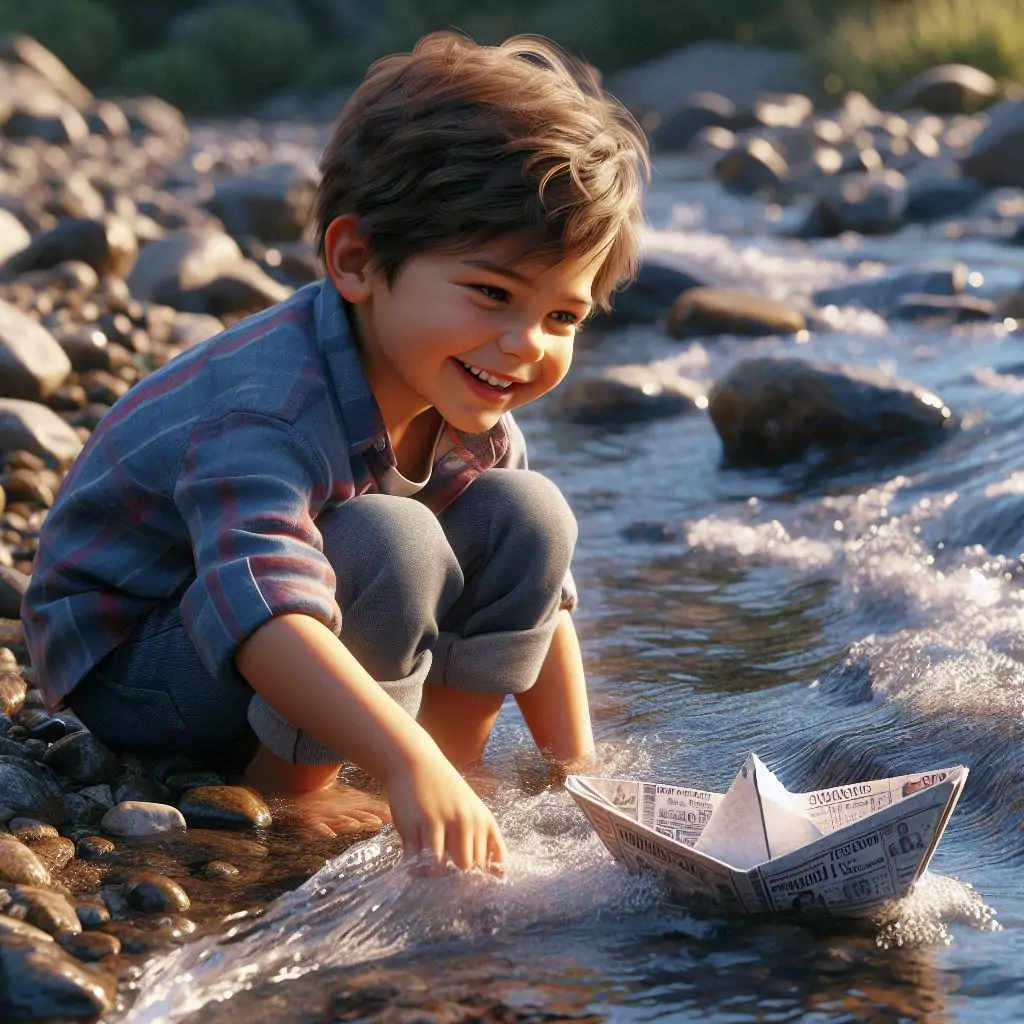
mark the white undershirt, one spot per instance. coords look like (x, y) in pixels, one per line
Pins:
(394, 483)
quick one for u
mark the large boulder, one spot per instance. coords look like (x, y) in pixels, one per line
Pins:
(752, 165)
(14, 236)
(109, 246)
(769, 411)
(32, 427)
(242, 288)
(32, 364)
(872, 203)
(946, 89)
(701, 110)
(996, 156)
(182, 260)
(44, 116)
(39, 981)
(272, 203)
(630, 394)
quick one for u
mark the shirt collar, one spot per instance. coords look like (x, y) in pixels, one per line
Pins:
(364, 424)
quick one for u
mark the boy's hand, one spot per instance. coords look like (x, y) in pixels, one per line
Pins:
(436, 811)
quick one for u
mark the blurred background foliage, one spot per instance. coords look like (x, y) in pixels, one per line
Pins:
(219, 56)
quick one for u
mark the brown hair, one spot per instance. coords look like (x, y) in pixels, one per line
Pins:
(456, 145)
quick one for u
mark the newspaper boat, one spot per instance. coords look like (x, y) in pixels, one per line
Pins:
(759, 848)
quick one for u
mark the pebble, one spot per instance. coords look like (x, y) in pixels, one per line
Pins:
(50, 911)
(12, 692)
(135, 818)
(224, 807)
(83, 758)
(42, 982)
(93, 848)
(219, 869)
(709, 311)
(153, 893)
(19, 864)
(90, 914)
(54, 851)
(89, 947)
(29, 828)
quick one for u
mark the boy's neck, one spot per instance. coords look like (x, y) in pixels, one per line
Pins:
(413, 444)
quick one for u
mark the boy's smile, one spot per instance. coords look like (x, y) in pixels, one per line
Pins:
(471, 334)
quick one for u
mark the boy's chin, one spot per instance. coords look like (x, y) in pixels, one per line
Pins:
(477, 423)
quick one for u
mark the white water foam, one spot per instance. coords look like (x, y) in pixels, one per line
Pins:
(924, 917)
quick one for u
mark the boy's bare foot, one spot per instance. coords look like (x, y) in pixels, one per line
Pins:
(313, 794)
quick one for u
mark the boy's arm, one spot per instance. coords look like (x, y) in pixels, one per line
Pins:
(307, 674)
(555, 707)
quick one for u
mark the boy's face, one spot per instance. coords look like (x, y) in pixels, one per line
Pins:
(471, 334)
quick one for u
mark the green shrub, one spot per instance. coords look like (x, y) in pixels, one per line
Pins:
(259, 49)
(883, 45)
(188, 78)
(85, 34)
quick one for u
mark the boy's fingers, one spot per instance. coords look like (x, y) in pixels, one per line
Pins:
(460, 846)
(481, 849)
(497, 855)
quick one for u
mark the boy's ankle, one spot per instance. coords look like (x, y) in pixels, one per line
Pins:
(269, 774)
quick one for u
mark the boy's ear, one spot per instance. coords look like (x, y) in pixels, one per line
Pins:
(347, 256)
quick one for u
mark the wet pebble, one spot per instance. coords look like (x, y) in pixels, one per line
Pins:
(27, 829)
(19, 864)
(83, 758)
(91, 915)
(50, 911)
(153, 893)
(135, 818)
(12, 692)
(224, 807)
(94, 848)
(89, 947)
(54, 851)
(43, 982)
(217, 870)
(133, 940)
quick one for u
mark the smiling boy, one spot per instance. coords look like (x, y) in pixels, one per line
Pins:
(314, 539)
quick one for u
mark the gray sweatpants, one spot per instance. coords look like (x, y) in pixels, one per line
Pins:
(466, 600)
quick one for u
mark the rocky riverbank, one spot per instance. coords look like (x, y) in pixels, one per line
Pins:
(128, 235)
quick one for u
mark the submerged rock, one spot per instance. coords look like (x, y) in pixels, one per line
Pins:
(774, 410)
(630, 394)
(224, 807)
(153, 893)
(701, 312)
(886, 291)
(49, 911)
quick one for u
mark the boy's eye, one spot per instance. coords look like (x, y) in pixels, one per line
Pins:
(490, 291)
(566, 318)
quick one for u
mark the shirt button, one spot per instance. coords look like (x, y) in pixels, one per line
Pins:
(379, 444)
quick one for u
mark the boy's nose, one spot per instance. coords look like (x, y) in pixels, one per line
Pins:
(525, 342)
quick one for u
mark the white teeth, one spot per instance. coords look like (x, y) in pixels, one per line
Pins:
(495, 382)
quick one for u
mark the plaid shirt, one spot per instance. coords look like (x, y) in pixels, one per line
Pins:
(203, 484)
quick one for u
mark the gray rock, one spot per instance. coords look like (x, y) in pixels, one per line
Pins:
(191, 329)
(629, 394)
(107, 119)
(12, 691)
(243, 288)
(775, 410)
(47, 117)
(20, 865)
(946, 89)
(273, 202)
(91, 947)
(996, 156)
(950, 309)
(701, 110)
(92, 914)
(154, 116)
(32, 427)
(24, 793)
(18, 48)
(76, 196)
(140, 789)
(182, 260)
(82, 812)
(14, 236)
(648, 298)
(94, 848)
(869, 204)
(100, 794)
(703, 312)
(754, 165)
(135, 818)
(931, 197)
(884, 292)
(42, 982)
(155, 894)
(224, 807)
(32, 364)
(82, 757)
(107, 245)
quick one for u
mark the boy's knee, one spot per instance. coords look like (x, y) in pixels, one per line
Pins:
(529, 510)
(394, 542)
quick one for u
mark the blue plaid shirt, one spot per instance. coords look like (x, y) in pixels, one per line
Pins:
(203, 484)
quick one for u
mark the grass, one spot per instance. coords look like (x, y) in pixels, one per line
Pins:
(879, 47)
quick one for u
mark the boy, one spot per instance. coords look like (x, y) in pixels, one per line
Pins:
(301, 535)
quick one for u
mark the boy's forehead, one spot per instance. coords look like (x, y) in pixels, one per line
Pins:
(516, 255)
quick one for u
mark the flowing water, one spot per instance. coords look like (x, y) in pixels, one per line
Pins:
(844, 621)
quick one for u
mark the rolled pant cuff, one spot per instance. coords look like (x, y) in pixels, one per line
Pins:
(284, 740)
(489, 662)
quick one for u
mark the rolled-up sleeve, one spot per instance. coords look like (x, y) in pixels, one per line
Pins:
(245, 491)
(515, 458)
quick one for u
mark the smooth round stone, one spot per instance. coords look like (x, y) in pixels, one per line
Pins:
(41, 982)
(224, 807)
(12, 692)
(132, 939)
(14, 926)
(80, 756)
(89, 947)
(27, 829)
(53, 851)
(92, 915)
(155, 894)
(94, 848)
(50, 911)
(136, 818)
(20, 865)
(216, 870)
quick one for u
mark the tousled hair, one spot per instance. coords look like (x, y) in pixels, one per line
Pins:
(455, 145)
